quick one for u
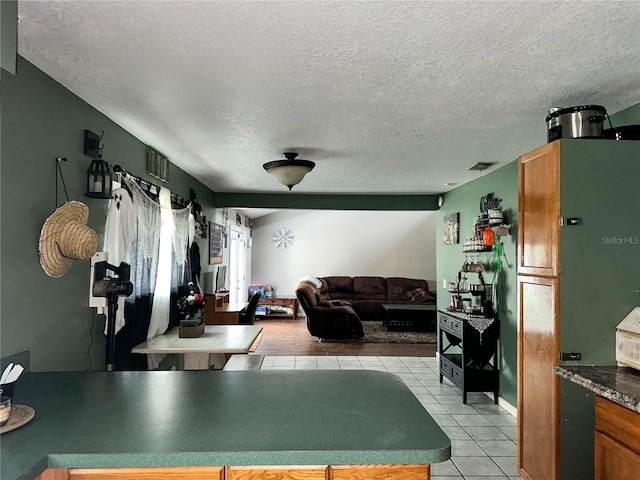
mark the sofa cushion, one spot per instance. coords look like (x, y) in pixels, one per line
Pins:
(397, 288)
(307, 294)
(337, 287)
(418, 294)
(369, 288)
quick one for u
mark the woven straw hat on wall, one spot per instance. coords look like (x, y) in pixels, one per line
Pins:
(65, 237)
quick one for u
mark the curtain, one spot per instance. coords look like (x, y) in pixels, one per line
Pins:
(159, 265)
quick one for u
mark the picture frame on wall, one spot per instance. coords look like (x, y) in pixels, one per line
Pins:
(216, 243)
(451, 232)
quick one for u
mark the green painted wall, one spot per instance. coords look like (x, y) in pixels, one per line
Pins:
(466, 200)
(41, 120)
(9, 29)
(600, 277)
(327, 202)
(599, 281)
(627, 116)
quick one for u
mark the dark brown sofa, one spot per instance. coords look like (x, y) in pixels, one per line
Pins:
(367, 294)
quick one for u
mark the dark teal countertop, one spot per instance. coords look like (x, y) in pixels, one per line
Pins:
(191, 418)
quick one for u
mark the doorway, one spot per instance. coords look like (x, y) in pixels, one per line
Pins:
(237, 266)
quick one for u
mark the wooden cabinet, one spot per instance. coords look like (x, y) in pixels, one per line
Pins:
(617, 441)
(538, 387)
(214, 310)
(538, 319)
(539, 212)
(572, 290)
(290, 303)
(152, 473)
(304, 472)
(467, 357)
(159, 473)
(278, 473)
(379, 472)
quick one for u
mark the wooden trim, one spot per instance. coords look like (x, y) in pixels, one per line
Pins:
(379, 472)
(287, 472)
(54, 474)
(147, 473)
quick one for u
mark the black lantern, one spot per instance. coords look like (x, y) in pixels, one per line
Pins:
(98, 179)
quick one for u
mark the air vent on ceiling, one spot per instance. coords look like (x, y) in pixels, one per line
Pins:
(480, 166)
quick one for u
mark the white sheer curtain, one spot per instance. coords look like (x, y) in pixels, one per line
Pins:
(162, 294)
(159, 256)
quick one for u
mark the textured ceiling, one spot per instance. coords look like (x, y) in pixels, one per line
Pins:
(385, 97)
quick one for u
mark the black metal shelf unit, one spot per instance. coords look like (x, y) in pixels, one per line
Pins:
(467, 357)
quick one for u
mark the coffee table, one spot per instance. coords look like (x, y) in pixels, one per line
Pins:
(207, 351)
(408, 316)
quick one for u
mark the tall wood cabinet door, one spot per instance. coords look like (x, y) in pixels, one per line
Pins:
(539, 211)
(614, 461)
(538, 386)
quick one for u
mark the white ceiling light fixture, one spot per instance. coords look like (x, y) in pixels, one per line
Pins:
(291, 171)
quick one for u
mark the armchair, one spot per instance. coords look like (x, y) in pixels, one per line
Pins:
(326, 320)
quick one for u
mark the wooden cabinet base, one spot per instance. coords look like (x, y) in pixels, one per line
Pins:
(614, 460)
(617, 441)
(311, 472)
(155, 473)
(379, 472)
(277, 473)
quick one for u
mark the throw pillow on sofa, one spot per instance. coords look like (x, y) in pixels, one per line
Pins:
(417, 294)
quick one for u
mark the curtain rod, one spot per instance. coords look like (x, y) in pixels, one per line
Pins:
(179, 199)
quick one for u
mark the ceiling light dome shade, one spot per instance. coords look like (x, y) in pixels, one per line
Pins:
(289, 172)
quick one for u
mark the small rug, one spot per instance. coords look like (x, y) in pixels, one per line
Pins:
(375, 332)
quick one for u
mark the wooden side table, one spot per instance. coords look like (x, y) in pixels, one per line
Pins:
(283, 302)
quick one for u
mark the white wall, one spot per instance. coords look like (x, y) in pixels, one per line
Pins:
(216, 216)
(352, 243)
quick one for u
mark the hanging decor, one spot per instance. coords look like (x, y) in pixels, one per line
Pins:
(65, 237)
(216, 243)
(283, 238)
(98, 174)
(451, 232)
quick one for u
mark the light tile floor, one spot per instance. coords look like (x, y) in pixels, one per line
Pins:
(483, 435)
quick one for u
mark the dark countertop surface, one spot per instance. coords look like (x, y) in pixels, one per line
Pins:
(618, 384)
(190, 418)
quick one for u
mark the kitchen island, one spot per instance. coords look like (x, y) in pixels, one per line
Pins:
(333, 420)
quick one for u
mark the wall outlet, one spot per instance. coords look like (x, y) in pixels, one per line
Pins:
(444, 283)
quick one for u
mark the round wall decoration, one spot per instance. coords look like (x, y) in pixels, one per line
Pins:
(283, 238)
